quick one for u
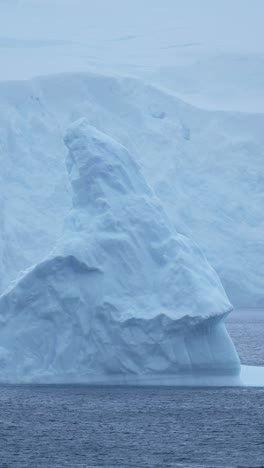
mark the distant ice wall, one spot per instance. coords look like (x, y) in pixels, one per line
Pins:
(205, 167)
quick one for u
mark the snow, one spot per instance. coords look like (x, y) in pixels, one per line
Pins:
(204, 166)
(122, 297)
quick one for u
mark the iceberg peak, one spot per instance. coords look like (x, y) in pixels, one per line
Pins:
(122, 298)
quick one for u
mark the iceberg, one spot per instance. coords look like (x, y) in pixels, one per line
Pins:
(122, 298)
(202, 178)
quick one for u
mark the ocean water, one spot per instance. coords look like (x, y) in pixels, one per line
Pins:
(81, 426)
(76, 426)
(246, 328)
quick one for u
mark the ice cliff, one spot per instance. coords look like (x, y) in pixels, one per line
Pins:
(205, 167)
(123, 297)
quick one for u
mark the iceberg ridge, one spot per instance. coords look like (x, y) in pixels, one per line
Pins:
(122, 298)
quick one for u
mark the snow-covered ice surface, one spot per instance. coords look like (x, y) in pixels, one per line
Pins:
(213, 162)
(205, 166)
(123, 297)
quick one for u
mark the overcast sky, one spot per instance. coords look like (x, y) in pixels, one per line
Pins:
(38, 36)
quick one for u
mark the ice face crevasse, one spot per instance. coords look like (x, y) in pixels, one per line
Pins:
(122, 298)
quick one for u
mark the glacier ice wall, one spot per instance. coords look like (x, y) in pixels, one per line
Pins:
(205, 167)
(123, 297)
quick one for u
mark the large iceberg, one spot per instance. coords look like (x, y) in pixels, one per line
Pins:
(209, 178)
(122, 298)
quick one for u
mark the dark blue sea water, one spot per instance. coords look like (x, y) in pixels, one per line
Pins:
(247, 330)
(81, 426)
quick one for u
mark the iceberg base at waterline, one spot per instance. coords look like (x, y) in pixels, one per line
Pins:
(123, 298)
(252, 376)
